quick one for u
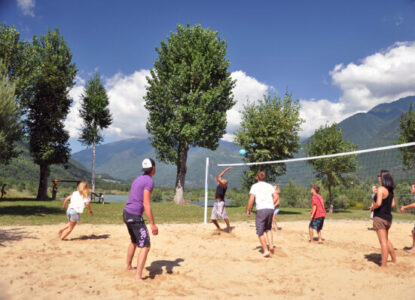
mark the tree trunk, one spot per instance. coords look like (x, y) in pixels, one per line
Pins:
(42, 192)
(181, 172)
(93, 171)
(330, 200)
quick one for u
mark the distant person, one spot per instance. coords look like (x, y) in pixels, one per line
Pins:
(219, 208)
(3, 190)
(409, 206)
(276, 207)
(318, 214)
(382, 217)
(79, 199)
(139, 202)
(264, 196)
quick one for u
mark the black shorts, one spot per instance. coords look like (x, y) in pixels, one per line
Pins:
(317, 223)
(137, 229)
(263, 220)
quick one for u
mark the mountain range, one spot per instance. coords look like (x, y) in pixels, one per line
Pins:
(122, 159)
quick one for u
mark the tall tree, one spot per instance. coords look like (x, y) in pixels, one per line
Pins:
(17, 56)
(10, 124)
(269, 131)
(407, 135)
(188, 94)
(96, 117)
(329, 140)
(50, 103)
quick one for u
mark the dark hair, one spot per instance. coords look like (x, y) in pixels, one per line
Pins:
(387, 180)
(261, 176)
(148, 170)
(316, 188)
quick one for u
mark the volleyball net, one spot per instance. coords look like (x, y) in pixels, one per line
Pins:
(354, 189)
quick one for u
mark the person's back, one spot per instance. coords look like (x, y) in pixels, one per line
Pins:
(263, 192)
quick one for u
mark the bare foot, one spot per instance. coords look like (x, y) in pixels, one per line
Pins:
(138, 278)
(267, 254)
(128, 268)
(60, 232)
(412, 250)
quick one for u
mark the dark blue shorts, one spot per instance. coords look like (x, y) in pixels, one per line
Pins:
(137, 229)
(317, 223)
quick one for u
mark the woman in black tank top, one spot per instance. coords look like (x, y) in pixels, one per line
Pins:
(382, 219)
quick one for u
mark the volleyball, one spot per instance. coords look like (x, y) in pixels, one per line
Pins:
(242, 152)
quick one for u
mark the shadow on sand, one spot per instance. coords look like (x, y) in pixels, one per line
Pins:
(156, 267)
(91, 237)
(12, 235)
(375, 258)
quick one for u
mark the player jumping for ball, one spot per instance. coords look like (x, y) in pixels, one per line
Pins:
(219, 209)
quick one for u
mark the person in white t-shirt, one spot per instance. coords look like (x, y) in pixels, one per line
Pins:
(264, 196)
(79, 199)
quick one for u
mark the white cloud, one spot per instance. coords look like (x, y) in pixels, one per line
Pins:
(27, 7)
(246, 89)
(379, 78)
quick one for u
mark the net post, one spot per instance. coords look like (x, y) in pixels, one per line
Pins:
(206, 187)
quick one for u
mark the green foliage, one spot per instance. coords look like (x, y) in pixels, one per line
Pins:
(188, 94)
(407, 135)
(10, 125)
(50, 103)
(157, 195)
(329, 140)
(94, 112)
(269, 131)
(294, 194)
(18, 57)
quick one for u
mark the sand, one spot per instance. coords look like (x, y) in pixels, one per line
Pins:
(196, 262)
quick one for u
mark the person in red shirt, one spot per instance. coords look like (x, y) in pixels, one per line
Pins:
(318, 213)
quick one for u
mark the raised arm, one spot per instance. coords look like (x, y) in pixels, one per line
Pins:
(219, 179)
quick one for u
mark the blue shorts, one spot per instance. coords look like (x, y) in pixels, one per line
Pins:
(276, 210)
(317, 224)
(72, 215)
(413, 230)
(137, 229)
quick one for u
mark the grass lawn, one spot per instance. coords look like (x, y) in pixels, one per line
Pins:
(30, 212)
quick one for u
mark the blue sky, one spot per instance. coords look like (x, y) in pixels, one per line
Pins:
(337, 57)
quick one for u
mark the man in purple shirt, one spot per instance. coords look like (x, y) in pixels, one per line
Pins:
(139, 201)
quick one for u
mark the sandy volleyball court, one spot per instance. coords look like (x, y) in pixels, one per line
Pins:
(196, 262)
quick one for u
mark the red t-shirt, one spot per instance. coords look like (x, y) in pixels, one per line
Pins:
(318, 201)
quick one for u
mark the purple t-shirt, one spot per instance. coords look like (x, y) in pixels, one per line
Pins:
(134, 204)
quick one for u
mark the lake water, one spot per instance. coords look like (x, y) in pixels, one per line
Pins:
(124, 198)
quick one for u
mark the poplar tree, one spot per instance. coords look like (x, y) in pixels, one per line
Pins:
(10, 124)
(96, 117)
(407, 135)
(329, 140)
(269, 131)
(188, 94)
(49, 105)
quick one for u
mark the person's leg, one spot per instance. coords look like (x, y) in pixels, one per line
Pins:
(320, 241)
(270, 239)
(130, 255)
(216, 224)
(228, 225)
(310, 231)
(274, 223)
(263, 242)
(69, 230)
(413, 241)
(390, 248)
(383, 241)
(141, 260)
(64, 228)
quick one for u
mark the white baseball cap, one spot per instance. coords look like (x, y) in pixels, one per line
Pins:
(147, 164)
